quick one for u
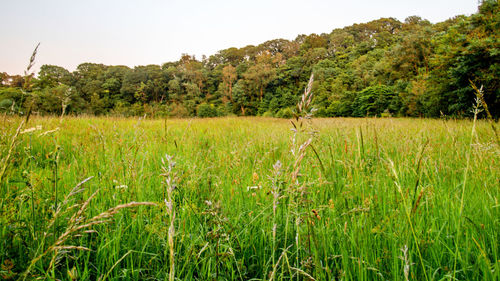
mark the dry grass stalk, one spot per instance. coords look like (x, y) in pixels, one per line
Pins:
(298, 160)
(476, 110)
(27, 83)
(12, 145)
(27, 74)
(276, 196)
(408, 214)
(66, 99)
(304, 113)
(417, 171)
(167, 166)
(77, 225)
(417, 202)
(480, 96)
(407, 263)
(302, 116)
(305, 102)
(273, 273)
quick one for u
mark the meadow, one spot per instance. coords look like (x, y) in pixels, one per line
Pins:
(88, 198)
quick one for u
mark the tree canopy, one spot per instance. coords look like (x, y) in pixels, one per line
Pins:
(410, 68)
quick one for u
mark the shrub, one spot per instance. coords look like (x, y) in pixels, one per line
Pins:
(5, 104)
(178, 110)
(285, 113)
(8, 96)
(267, 114)
(223, 110)
(376, 100)
(206, 110)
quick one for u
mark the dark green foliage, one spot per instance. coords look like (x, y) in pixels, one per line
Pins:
(206, 110)
(411, 68)
(10, 97)
(475, 57)
(285, 113)
(373, 101)
(5, 104)
(51, 76)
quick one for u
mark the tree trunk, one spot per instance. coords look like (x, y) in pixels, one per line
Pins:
(231, 92)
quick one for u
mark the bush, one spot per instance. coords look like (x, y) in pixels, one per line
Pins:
(9, 96)
(373, 101)
(5, 104)
(121, 109)
(223, 110)
(206, 110)
(267, 114)
(285, 113)
(137, 109)
(177, 110)
(161, 110)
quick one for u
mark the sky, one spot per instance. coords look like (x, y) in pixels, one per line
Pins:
(142, 32)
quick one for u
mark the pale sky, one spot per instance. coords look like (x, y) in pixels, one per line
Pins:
(141, 32)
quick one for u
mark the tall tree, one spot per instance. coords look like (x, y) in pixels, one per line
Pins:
(52, 75)
(228, 78)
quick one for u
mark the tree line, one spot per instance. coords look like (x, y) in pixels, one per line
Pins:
(381, 68)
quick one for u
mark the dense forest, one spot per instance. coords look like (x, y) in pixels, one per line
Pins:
(381, 68)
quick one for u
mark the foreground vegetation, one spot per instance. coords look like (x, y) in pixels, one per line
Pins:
(383, 67)
(249, 199)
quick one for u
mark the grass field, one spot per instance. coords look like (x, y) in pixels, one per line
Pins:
(349, 199)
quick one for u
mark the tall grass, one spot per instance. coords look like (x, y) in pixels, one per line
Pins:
(236, 214)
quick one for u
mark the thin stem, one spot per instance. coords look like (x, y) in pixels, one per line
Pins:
(466, 172)
(408, 217)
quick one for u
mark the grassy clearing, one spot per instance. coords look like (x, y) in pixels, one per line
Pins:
(367, 199)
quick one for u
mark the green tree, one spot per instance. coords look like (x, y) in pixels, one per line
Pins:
(52, 75)
(228, 78)
(261, 74)
(468, 51)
